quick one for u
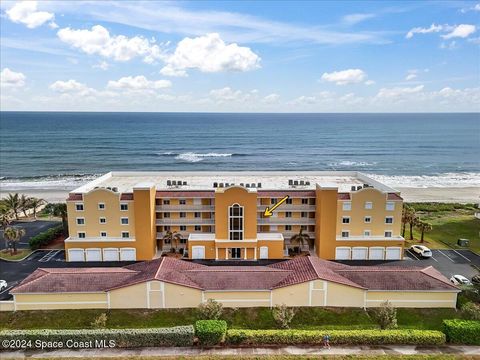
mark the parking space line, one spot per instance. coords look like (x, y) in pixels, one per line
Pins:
(462, 256)
(9, 287)
(433, 258)
(441, 252)
(413, 254)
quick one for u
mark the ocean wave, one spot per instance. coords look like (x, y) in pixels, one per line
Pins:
(444, 180)
(348, 163)
(46, 182)
(194, 157)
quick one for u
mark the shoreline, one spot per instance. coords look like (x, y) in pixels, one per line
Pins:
(429, 194)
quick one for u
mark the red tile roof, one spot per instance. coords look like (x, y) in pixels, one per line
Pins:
(343, 196)
(185, 194)
(126, 196)
(393, 196)
(75, 197)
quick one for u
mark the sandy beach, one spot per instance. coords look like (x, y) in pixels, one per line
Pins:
(433, 194)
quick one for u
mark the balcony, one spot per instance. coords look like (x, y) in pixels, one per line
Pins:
(185, 221)
(185, 208)
(285, 221)
(288, 234)
(287, 207)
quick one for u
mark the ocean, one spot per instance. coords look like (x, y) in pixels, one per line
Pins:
(62, 150)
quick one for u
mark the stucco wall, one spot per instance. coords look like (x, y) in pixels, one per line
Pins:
(61, 301)
(240, 298)
(413, 299)
(177, 296)
(344, 296)
(131, 297)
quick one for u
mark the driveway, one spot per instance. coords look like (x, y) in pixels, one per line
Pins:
(32, 228)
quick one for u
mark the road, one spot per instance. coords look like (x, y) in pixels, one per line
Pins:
(32, 228)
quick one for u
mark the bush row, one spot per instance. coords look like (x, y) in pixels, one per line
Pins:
(210, 332)
(349, 337)
(44, 238)
(462, 331)
(123, 338)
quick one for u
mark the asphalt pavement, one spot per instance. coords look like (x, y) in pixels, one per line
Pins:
(32, 228)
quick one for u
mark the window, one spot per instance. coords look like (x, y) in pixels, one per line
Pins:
(124, 221)
(304, 227)
(182, 202)
(236, 253)
(273, 201)
(368, 205)
(125, 234)
(367, 233)
(288, 214)
(103, 220)
(388, 234)
(304, 214)
(235, 222)
(183, 214)
(166, 202)
(103, 234)
(80, 221)
(183, 228)
(288, 227)
(101, 206)
(367, 219)
(198, 228)
(124, 207)
(347, 206)
(166, 215)
(79, 207)
(166, 228)
(389, 220)
(390, 206)
(346, 220)
(305, 201)
(81, 235)
(197, 214)
(345, 234)
(183, 241)
(289, 201)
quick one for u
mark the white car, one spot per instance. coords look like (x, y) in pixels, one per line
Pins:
(460, 280)
(421, 250)
(3, 285)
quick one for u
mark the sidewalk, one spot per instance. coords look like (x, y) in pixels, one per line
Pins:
(237, 352)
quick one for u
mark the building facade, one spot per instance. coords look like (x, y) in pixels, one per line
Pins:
(219, 216)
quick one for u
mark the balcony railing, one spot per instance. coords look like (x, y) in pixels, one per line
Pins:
(287, 207)
(285, 221)
(185, 208)
(185, 221)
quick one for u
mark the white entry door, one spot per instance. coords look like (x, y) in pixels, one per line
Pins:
(93, 254)
(264, 252)
(198, 252)
(76, 255)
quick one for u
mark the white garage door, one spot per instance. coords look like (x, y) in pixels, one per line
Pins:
(359, 253)
(342, 253)
(393, 253)
(264, 252)
(75, 255)
(110, 254)
(93, 254)
(376, 253)
(128, 254)
(198, 252)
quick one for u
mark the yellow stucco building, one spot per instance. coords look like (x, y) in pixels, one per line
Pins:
(125, 216)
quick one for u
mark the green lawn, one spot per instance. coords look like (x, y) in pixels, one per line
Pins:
(246, 318)
(4, 254)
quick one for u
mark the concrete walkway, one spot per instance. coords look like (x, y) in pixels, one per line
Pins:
(289, 350)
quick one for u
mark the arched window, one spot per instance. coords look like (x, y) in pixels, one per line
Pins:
(235, 222)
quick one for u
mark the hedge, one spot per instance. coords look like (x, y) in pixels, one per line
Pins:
(462, 331)
(123, 338)
(349, 337)
(210, 332)
(44, 238)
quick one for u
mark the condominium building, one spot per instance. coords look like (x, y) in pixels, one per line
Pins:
(221, 215)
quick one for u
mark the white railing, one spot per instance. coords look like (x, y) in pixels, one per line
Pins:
(185, 221)
(184, 208)
(286, 207)
(285, 221)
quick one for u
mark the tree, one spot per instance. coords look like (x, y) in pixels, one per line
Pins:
(423, 227)
(408, 214)
(173, 238)
(283, 315)
(210, 310)
(13, 235)
(385, 315)
(35, 203)
(300, 239)
(5, 219)
(59, 210)
(25, 204)
(12, 201)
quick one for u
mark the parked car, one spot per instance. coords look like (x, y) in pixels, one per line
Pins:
(3, 285)
(460, 280)
(476, 279)
(421, 250)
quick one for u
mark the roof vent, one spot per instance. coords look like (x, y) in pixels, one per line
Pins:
(220, 185)
(307, 182)
(353, 188)
(174, 182)
(247, 185)
(302, 182)
(215, 184)
(295, 182)
(252, 185)
(290, 182)
(169, 182)
(259, 185)
(359, 188)
(184, 183)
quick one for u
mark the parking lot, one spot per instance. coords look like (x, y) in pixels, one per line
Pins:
(32, 228)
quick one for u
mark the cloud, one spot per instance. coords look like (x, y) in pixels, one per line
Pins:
(419, 30)
(461, 31)
(352, 19)
(452, 45)
(350, 76)
(209, 53)
(69, 86)
(138, 83)
(271, 99)
(411, 76)
(369, 82)
(101, 65)
(25, 12)
(119, 48)
(11, 79)
(398, 92)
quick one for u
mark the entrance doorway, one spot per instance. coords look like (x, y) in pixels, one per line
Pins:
(236, 253)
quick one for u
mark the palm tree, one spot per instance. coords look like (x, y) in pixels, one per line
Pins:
(300, 240)
(5, 219)
(59, 210)
(173, 238)
(412, 219)
(423, 227)
(407, 215)
(35, 203)
(13, 235)
(12, 201)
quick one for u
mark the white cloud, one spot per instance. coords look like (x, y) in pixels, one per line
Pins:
(350, 76)
(476, 7)
(271, 99)
(119, 48)
(419, 30)
(69, 86)
(411, 76)
(11, 79)
(369, 82)
(209, 53)
(101, 65)
(397, 92)
(352, 19)
(138, 83)
(449, 46)
(461, 31)
(25, 12)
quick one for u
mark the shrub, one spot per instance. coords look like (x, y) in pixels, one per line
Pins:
(283, 315)
(210, 332)
(100, 321)
(462, 331)
(385, 315)
(348, 337)
(210, 310)
(122, 338)
(45, 238)
(471, 311)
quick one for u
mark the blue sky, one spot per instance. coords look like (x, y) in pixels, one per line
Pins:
(241, 56)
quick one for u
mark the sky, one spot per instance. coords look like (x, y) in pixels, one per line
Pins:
(240, 56)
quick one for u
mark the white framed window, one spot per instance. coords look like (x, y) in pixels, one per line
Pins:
(124, 220)
(345, 234)
(303, 214)
(103, 234)
(79, 206)
(123, 207)
(388, 234)
(182, 202)
(166, 202)
(166, 228)
(183, 228)
(390, 206)
(347, 206)
(166, 215)
(273, 201)
(102, 220)
(389, 220)
(235, 222)
(197, 214)
(289, 201)
(81, 235)
(367, 233)
(80, 221)
(368, 205)
(125, 234)
(367, 219)
(288, 227)
(288, 214)
(101, 206)
(198, 228)
(304, 227)
(183, 214)
(305, 201)
(346, 220)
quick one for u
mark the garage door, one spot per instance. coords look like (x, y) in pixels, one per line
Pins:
(393, 253)
(342, 253)
(198, 252)
(93, 254)
(110, 254)
(376, 253)
(359, 253)
(75, 255)
(128, 254)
